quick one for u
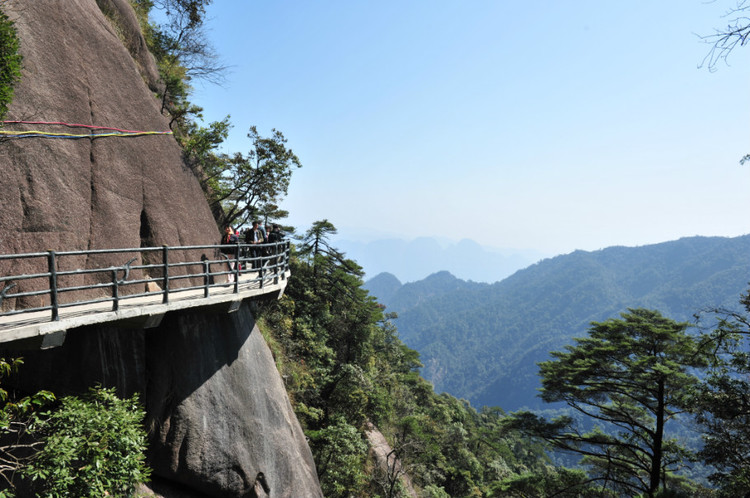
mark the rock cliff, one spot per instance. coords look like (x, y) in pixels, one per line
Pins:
(90, 193)
(220, 420)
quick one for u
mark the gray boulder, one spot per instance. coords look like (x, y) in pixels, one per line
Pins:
(218, 409)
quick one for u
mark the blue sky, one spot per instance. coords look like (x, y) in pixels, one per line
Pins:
(544, 125)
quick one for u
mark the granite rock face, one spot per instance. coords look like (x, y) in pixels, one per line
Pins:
(220, 419)
(125, 22)
(256, 447)
(91, 193)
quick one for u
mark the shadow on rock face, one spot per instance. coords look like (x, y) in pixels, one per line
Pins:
(219, 419)
(219, 415)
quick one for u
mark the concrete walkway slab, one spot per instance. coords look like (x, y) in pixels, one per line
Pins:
(142, 312)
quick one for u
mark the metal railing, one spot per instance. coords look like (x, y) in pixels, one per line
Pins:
(170, 270)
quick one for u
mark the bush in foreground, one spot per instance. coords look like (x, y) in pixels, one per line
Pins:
(94, 446)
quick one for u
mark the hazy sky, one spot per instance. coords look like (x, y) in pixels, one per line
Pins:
(548, 125)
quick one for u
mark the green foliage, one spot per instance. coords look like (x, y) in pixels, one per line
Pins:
(200, 146)
(345, 363)
(251, 182)
(183, 14)
(10, 62)
(15, 409)
(182, 53)
(93, 446)
(174, 76)
(341, 454)
(560, 482)
(631, 376)
(18, 420)
(723, 407)
(240, 188)
(345, 367)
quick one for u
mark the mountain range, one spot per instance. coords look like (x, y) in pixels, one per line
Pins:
(482, 341)
(415, 259)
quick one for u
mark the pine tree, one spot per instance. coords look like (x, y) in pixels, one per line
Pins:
(628, 379)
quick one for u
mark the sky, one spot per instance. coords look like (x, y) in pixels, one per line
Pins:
(543, 125)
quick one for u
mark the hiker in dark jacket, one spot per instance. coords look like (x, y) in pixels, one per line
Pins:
(229, 237)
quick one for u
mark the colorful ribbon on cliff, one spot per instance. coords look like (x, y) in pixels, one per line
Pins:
(111, 132)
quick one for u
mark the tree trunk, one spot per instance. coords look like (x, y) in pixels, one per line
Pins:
(658, 440)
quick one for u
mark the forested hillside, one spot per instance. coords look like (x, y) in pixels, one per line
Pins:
(482, 342)
(348, 373)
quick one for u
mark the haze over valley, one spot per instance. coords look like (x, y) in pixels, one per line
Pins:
(412, 260)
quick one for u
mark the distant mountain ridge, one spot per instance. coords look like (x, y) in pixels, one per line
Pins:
(415, 259)
(387, 287)
(481, 341)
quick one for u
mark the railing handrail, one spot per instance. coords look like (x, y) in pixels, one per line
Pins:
(270, 260)
(138, 249)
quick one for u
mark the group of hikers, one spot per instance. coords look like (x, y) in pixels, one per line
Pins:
(252, 236)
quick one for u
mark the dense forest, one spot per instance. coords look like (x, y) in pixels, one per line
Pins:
(625, 380)
(346, 368)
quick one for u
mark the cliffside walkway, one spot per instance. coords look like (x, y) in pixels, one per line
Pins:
(78, 288)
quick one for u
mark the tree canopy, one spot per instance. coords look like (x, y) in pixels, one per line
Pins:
(629, 377)
(723, 404)
(241, 187)
(346, 369)
(182, 52)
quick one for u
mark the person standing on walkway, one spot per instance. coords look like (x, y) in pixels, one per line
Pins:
(255, 236)
(274, 236)
(228, 238)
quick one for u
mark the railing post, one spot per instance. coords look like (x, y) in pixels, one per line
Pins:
(285, 259)
(206, 278)
(52, 265)
(237, 269)
(115, 291)
(275, 261)
(165, 283)
(261, 267)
